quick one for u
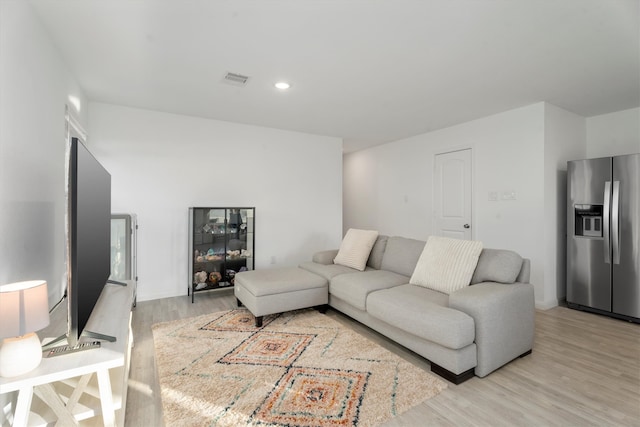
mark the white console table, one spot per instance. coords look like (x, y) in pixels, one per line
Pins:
(84, 388)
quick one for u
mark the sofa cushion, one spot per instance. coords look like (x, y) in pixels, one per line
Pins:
(401, 255)
(377, 252)
(423, 313)
(355, 248)
(278, 281)
(355, 287)
(326, 271)
(446, 264)
(497, 265)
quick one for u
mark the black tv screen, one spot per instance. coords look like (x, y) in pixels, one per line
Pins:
(88, 235)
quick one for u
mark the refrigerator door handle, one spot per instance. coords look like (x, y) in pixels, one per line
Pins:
(615, 222)
(606, 222)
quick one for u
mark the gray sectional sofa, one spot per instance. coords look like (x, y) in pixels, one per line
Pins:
(472, 331)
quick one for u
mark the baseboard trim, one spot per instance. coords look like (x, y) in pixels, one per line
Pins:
(546, 305)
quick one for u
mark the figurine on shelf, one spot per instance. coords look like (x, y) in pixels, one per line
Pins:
(211, 256)
(214, 277)
(233, 254)
(200, 279)
(245, 253)
(231, 275)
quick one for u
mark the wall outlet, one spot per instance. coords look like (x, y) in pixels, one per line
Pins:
(273, 259)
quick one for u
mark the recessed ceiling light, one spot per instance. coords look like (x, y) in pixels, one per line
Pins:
(282, 85)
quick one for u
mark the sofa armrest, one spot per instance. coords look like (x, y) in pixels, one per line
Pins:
(504, 316)
(325, 257)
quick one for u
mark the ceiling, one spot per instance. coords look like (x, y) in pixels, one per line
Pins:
(366, 71)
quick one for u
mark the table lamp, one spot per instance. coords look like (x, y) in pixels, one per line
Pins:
(24, 309)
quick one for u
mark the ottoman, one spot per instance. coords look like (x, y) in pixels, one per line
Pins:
(277, 290)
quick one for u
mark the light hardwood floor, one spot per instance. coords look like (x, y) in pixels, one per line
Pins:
(584, 371)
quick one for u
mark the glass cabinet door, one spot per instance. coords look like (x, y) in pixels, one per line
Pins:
(221, 242)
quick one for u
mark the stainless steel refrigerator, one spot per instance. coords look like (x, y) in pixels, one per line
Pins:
(603, 236)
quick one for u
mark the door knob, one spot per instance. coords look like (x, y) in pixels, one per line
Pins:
(466, 226)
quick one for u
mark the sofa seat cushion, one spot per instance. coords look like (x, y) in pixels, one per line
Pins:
(278, 281)
(355, 287)
(327, 271)
(423, 313)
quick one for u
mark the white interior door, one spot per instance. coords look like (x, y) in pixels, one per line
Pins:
(452, 194)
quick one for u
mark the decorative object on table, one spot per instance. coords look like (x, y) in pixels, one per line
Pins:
(300, 368)
(24, 309)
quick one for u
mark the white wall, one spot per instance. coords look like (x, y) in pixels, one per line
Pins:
(161, 164)
(389, 187)
(614, 134)
(35, 85)
(565, 135)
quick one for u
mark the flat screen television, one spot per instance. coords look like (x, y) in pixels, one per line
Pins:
(88, 231)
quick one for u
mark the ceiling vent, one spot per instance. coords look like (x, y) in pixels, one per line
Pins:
(235, 79)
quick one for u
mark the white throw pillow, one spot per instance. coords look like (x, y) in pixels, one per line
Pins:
(446, 265)
(355, 248)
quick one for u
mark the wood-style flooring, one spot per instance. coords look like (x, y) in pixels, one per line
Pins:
(584, 371)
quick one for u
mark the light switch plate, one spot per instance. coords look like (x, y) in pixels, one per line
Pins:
(508, 195)
(493, 196)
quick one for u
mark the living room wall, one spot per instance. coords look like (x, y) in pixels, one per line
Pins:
(564, 140)
(161, 164)
(614, 134)
(389, 187)
(35, 85)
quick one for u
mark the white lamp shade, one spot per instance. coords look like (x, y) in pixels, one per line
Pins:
(24, 308)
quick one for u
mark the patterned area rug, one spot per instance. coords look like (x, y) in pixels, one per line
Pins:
(300, 368)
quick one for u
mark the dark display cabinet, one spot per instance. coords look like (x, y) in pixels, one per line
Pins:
(221, 244)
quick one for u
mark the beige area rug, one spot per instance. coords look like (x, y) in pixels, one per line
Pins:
(300, 368)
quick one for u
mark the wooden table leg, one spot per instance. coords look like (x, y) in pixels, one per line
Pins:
(21, 414)
(106, 398)
(48, 394)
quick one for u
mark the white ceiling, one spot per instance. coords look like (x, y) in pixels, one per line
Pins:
(367, 71)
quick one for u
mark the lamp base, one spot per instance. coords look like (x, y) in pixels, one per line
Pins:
(19, 355)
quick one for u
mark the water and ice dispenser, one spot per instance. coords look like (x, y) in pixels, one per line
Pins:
(588, 220)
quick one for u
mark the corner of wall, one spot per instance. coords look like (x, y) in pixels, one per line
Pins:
(547, 304)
